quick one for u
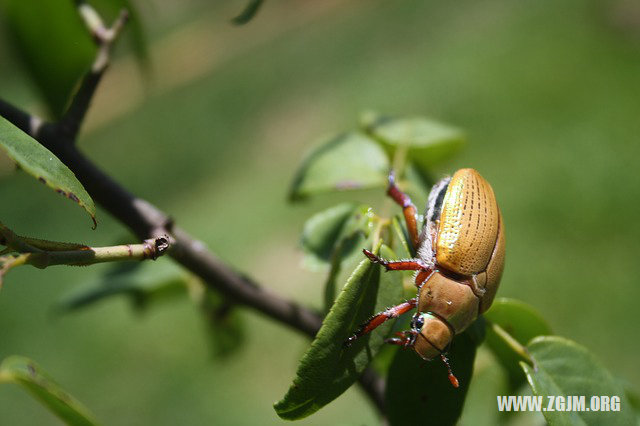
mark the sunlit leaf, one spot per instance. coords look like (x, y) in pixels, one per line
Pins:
(328, 368)
(248, 13)
(40, 163)
(28, 374)
(564, 368)
(523, 323)
(419, 392)
(427, 142)
(345, 162)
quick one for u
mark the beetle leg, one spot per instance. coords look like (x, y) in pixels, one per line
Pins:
(452, 378)
(380, 318)
(397, 265)
(406, 339)
(408, 209)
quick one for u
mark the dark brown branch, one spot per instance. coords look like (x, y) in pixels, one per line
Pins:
(19, 118)
(104, 38)
(147, 221)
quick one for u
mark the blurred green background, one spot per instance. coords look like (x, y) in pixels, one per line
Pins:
(548, 93)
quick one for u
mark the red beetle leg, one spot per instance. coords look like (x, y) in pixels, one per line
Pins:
(397, 265)
(408, 209)
(380, 318)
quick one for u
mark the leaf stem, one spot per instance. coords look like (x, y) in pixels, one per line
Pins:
(148, 249)
(516, 346)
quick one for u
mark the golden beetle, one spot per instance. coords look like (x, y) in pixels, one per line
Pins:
(460, 258)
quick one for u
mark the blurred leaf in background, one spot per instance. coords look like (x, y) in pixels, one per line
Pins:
(35, 380)
(56, 48)
(54, 45)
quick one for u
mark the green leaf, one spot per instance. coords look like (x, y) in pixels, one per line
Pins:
(523, 323)
(40, 163)
(401, 243)
(419, 392)
(489, 379)
(564, 368)
(142, 282)
(248, 13)
(345, 162)
(335, 238)
(346, 257)
(53, 43)
(224, 324)
(330, 235)
(28, 374)
(428, 142)
(328, 368)
(322, 232)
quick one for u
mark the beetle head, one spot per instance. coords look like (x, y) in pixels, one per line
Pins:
(431, 335)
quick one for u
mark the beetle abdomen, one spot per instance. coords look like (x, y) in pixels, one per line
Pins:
(452, 301)
(468, 227)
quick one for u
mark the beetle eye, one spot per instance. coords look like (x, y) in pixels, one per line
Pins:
(417, 323)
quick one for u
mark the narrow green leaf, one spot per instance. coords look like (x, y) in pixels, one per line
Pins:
(345, 162)
(40, 163)
(51, 40)
(564, 368)
(328, 368)
(428, 142)
(523, 323)
(248, 13)
(419, 392)
(28, 374)
(143, 283)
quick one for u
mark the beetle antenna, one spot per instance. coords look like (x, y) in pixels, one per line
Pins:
(452, 378)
